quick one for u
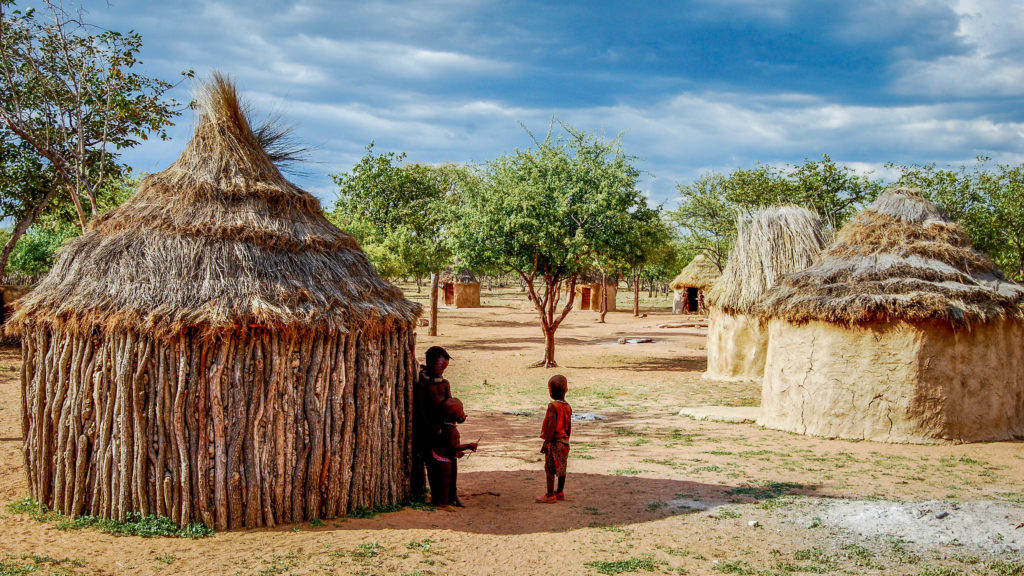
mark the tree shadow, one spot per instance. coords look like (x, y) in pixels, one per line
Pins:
(678, 364)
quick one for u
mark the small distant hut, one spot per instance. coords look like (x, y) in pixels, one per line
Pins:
(461, 290)
(769, 243)
(900, 332)
(215, 350)
(691, 284)
(590, 289)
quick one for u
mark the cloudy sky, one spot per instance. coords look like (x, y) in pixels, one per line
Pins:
(695, 86)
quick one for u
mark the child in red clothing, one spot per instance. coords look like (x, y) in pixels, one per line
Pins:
(555, 432)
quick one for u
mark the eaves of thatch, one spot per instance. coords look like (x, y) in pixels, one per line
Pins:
(700, 273)
(219, 241)
(463, 276)
(901, 259)
(770, 243)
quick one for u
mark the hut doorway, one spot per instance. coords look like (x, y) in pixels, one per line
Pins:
(585, 297)
(692, 303)
(449, 294)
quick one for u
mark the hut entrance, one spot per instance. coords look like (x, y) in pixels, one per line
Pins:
(585, 296)
(449, 294)
(691, 300)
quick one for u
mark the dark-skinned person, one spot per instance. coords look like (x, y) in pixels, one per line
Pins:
(555, 432)
(446, 448)
(430, 391)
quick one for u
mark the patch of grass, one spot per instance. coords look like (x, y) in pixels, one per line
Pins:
(367, 550)
(136, 524)
(613, 567)
(15, 565)
(582, 457)
(1006, 568)
(766, 490)
(734, 567)
(899, 552)
(725, 514)
(424, 545)
(652, 506)
(167, 559)
(941, 571)
(418, 503)
(711, 468)
(626, 471)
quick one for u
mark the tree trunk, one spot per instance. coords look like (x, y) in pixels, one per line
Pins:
(636, 294)
(549, 348)
(603, 306)
(433, 304)
(419, 284)
(21, 227)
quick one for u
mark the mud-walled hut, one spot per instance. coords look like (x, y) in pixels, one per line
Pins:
(901, 332)
(461, 289)
(215, 350)
(691, 285)
(769, 243)
(590, 288)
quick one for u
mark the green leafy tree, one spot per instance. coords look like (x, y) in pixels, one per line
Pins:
(706, 217)
(398, 212)
(547, 213)
(69, 93)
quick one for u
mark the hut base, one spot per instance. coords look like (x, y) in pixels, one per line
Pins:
(736, 347)
(248, 429)
(895, 382)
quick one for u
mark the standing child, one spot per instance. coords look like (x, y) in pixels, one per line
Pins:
(446, 448)
(555, 432)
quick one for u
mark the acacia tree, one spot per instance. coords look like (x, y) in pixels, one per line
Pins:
(68, 92)
(545, 213)
(398, 213)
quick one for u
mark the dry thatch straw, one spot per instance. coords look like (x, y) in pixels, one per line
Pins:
(464, 276)
(215, 350)
(216, 241)
(901, 259)
(700, 273)
(769, 243)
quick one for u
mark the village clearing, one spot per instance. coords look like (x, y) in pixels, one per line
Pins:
(648, 491)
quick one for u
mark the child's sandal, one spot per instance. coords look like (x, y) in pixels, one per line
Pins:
(545, 499)
(559, 495)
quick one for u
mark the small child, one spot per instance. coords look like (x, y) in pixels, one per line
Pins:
(445, 450)
(555, 432)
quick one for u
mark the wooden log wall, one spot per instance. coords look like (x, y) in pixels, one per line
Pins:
(248, 430)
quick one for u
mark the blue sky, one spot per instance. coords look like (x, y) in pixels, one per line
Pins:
(695, 86)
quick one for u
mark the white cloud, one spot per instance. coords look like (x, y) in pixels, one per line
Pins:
(992, 66)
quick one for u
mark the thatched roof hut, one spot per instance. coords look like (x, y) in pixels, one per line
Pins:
(901, 332)
(215, 350)
(691, 284)
(770, 243)
(461, 289)
(591, 286)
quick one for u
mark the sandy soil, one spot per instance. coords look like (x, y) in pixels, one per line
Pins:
(648, 490)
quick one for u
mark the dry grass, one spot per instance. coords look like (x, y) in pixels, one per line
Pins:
(217, 241)
(700, 273)
(770, 243)
(901, 259)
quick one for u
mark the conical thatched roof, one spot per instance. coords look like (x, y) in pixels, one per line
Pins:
(900, 259)
(699, 273)
(464, 276)
(217, 241)
(769, 243)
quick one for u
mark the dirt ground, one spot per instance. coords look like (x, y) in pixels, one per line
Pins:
(648, 491)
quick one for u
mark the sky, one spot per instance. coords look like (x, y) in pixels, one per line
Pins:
(691, 86)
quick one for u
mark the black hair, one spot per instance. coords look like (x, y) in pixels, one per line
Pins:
(557, 386)
(435, 352)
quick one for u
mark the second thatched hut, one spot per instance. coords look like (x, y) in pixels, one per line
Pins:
(691, 285)
(901, 332)
(461, 289)
(770, 243)
(214, 350)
